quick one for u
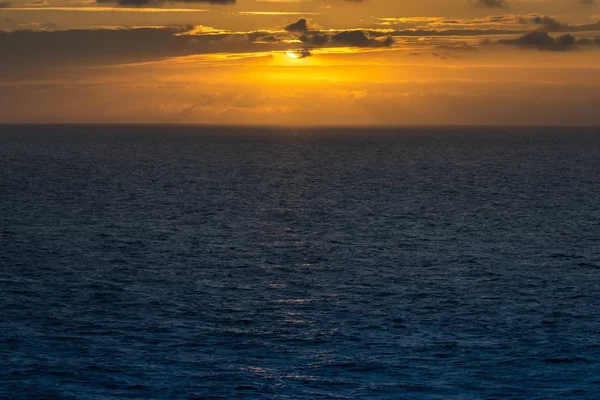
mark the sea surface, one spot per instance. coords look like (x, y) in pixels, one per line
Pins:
(141, 262)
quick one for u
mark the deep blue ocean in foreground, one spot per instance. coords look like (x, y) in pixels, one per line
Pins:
(262, 263)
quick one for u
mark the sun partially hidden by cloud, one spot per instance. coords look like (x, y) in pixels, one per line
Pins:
(297, 54)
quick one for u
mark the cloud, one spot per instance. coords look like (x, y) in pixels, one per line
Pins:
(266, 39)
(43, 46)
(548, 23)
(543, 41)
(491, 3)
(31, 49)
(316, 39)
(300, 26)
(355, 38)
(141, 3)
(493, 24)
(551, 24)
(588, 41)
(532, 39)
(360, 39)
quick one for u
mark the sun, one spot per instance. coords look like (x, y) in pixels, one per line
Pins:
(292, 54)
(298, 54)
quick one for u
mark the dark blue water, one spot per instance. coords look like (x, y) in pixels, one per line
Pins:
(198, 262)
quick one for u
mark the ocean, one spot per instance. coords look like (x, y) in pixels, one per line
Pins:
(199, 262)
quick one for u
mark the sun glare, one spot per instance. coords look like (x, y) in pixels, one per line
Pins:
(298, 54)
(292, 54)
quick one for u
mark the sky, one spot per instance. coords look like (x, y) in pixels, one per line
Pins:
(301, 62)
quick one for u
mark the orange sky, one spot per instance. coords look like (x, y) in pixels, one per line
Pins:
(315, 62)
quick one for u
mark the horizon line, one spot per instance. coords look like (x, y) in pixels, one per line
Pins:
(293, 126)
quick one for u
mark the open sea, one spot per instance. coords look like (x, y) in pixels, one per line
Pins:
(182, 262)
